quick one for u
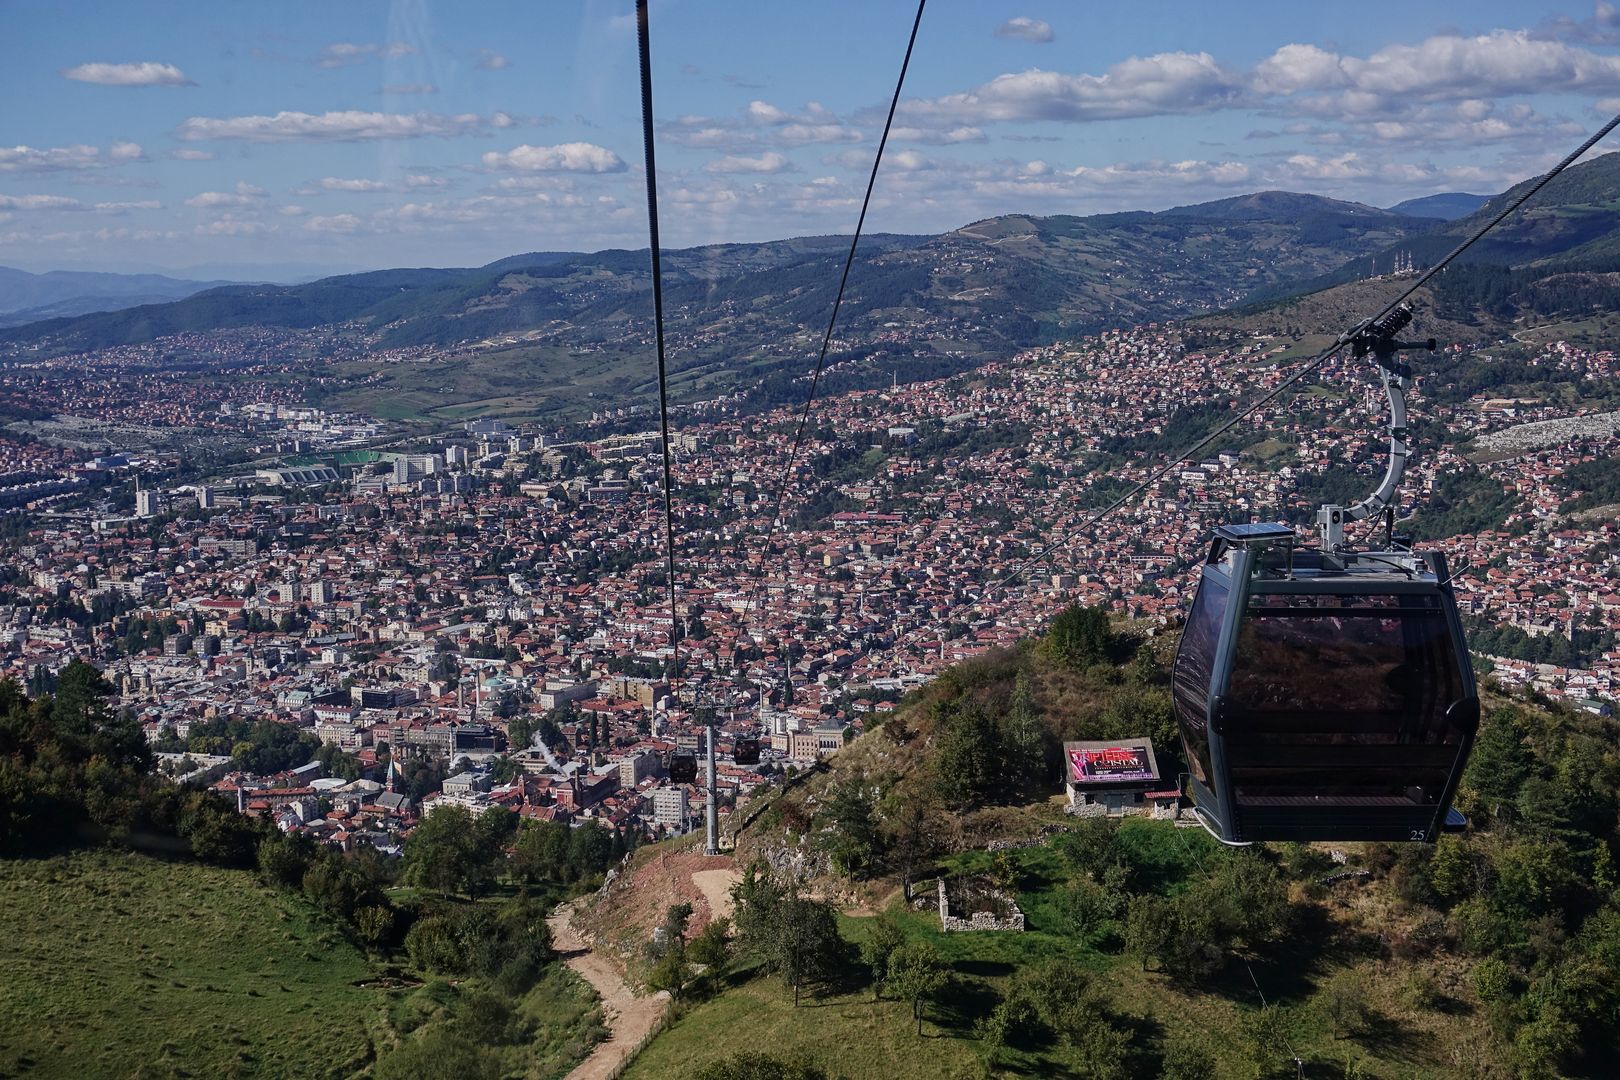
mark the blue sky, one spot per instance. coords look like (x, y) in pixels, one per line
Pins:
(354, 134)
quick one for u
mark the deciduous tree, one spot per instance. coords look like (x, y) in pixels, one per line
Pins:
(916, 974)
(882, 938)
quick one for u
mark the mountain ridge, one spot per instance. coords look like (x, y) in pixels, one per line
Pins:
(29, 297)
(1448, 205)
(1014, 280)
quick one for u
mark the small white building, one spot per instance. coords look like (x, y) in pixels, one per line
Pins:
(1113, 778)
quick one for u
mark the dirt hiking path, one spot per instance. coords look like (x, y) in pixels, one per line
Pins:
(629, 1018)
(716, 888)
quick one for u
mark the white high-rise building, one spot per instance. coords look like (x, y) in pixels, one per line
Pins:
(670, 807)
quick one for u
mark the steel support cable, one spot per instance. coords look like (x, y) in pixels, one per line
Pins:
(1317, 361)
(645, 47)
(779, 502)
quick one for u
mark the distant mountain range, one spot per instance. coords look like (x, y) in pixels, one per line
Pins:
(742, 313)
(1556, 260)
(1447, 207)
(1014, 280)
(26, 297)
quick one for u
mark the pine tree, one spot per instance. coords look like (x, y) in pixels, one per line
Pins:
(1024, 733)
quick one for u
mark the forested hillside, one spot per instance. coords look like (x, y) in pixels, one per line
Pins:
(1150, 950)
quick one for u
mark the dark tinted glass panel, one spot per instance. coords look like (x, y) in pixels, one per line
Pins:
(746, 752)
(1195, 662)
(1347, 696)
(683, 768)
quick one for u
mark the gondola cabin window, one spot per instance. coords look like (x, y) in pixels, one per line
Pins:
(1194, 666)
(1344, 694)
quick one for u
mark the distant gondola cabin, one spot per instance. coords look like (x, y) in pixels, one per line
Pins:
(1115, 776)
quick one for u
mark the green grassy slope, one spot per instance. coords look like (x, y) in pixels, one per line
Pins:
(122, 965)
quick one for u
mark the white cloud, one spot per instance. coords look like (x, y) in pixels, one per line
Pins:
(29, 159)
(143, 74)
(345, 126)
(765, 113)
(707, 136)
(1190, 173)
(472, 211)
(762, 122)
(1472, 121)
(333, 183)
(336, 223)
(1300, 67)
(233, 226)
(768, 162)
(1024, 28)
(419, 180)
(578, 157)
(344, 53)
(77, 156)
(292, 210)
(245, 194)
(39, 202)
(1347, 166)
(1603, 28)
(122, 207)
(806, 134)
(908, 161)
(1165, 83)
(938, 137)
(490, 60)
(710, 197)
(1444, 67)
(534, 182)
(187, 153)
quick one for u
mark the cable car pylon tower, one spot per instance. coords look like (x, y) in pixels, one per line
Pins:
(711, 815)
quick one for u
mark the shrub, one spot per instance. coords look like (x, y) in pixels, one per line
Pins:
(432, 946)
(1186, 1060)
(747, 1066)
(1492, 979)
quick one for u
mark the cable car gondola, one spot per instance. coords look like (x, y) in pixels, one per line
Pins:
(745, 751)
(682, 768)
(1327, 694)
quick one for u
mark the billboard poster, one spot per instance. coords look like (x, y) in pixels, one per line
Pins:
(1110, 763)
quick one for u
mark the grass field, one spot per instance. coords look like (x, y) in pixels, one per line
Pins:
(847, 1034)
(519, 382)
(120, 965)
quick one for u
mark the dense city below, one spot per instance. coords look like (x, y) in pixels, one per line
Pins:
(340, 622)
